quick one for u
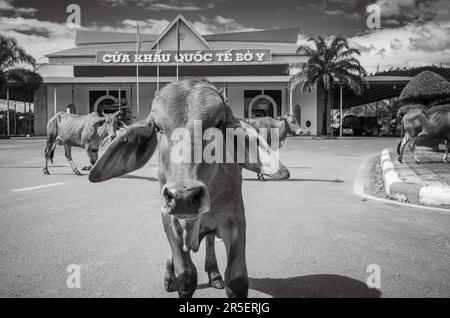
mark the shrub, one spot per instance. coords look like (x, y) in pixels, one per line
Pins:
(406, 108)
(444, 108)
(425, 88)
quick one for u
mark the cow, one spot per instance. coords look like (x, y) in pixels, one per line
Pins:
(420, 122)
(84, 131)
(198, 199)
(286, 124)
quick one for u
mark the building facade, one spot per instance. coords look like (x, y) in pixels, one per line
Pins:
(251, 68)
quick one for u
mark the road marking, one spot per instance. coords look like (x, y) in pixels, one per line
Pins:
(38, 187)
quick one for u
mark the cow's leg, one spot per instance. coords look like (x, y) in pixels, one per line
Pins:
(49, 152)
(93, 157)
(185, 271)
(412, 147)
(402, 146)
(446, 151)
(211, 267)
(68, 153)
(170, 280)
(236, 278)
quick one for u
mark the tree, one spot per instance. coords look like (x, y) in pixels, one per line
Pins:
(329, 60)
(15, 66)
(13, 63)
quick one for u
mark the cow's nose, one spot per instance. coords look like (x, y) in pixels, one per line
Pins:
(184, 202)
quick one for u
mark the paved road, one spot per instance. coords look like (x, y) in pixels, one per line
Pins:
(309, 236)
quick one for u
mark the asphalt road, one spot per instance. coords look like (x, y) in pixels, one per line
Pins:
(308, 236)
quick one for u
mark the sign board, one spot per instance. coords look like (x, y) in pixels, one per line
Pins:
(243, 56)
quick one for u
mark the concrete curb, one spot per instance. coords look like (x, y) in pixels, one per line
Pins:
(411, 192)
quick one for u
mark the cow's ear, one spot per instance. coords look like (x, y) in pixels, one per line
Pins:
(129, 151)
(263, 160)
(99, 122)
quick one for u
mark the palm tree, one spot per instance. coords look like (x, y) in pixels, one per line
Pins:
(15, 66)
(329, 60)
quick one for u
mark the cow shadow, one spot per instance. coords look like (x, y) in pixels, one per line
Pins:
(296, 180)
(130, 176)
(312, 286)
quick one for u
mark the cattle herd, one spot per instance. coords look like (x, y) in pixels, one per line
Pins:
(201, 199)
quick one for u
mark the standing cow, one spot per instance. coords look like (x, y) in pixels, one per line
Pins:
(419, 122)
(84, 131)
(286, 124)
(198, 199)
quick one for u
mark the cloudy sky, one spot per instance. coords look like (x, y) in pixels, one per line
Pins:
(412, 33)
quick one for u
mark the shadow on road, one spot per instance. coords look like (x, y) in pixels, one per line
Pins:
(295, 179)
(130, 176)
(323, 285)
(311, 286)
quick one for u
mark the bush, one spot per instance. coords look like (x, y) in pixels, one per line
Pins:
(425, 88)
(406, 108)
(444, 108)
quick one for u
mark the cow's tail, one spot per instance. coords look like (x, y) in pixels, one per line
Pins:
(402, 134)
(52, 134)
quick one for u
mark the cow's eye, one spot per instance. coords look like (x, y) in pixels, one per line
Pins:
(157, 128)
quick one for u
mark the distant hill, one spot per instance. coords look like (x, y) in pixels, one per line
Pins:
(413, 71)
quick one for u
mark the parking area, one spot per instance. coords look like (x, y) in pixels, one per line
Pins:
(308, 236)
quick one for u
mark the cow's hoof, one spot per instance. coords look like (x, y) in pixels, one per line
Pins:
(187, 284)
(78, 173)
(216, 281)
(87, 168)
(170, 283)
(237, 288)
(46, 172)
(445, 161)
(400, 160)
(418, 161)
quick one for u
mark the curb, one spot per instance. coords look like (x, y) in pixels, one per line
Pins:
(410, 192)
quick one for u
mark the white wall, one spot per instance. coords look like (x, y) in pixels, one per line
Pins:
(308, 106)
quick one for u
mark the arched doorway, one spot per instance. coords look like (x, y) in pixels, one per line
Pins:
(262, 106)
(298, 114)
(103, 101)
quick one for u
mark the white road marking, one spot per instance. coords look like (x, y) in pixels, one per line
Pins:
(38, 187)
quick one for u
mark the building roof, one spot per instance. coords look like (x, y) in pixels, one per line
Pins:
(100, 37)
(279, 35)
(88, 42)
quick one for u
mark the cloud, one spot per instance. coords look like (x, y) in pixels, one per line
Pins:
(7, 6)
(170, 5)
(354, 16)
(408, 45)
(40, 37)
(415, 10)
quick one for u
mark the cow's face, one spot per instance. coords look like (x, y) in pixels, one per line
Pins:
(184, 184)
(293, 125)
(111, 124)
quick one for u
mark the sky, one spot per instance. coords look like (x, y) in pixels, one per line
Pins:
(412, 32)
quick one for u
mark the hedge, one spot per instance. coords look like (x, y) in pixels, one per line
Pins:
(406, 108)
(425, 88)
(439, 108)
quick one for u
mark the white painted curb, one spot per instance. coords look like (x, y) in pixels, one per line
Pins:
(389, 174)
(429, 195)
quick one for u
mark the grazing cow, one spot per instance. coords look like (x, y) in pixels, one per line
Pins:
(198, 198)
(84, 131)
(286, 124)
(418, 122)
